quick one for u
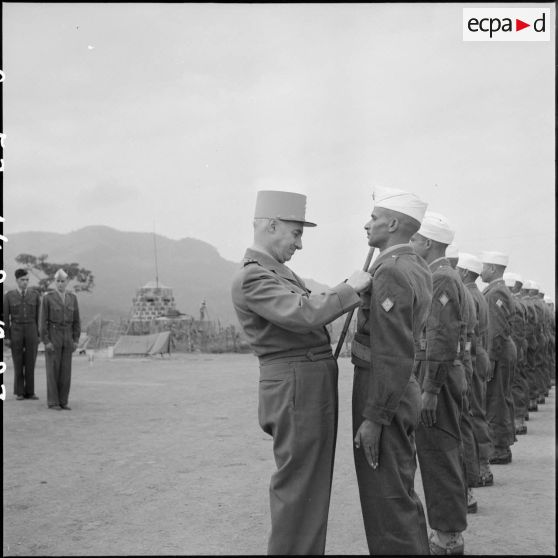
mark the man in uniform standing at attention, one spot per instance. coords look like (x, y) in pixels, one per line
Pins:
(21, 316)
(60, 330)
(469, 268)
(285, 326)
(442, 378)
(386, 396)
(502, 353)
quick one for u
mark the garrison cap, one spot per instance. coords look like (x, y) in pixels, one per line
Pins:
(512, 278)
(436, 227)
(21, 273)
(286, 206)
(547, 299)
(61, 274)
(469, 262)
(452, 251)
(496, 258)
(400, 201)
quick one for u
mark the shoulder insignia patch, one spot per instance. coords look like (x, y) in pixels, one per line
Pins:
(444, 299)
(387, 305)
(499, 303)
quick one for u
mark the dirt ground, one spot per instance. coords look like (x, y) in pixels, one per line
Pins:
(164, 456)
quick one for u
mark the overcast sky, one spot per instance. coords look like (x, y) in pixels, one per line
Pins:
(173, 115)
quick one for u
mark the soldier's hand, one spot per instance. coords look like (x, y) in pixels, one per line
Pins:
(368, 436)
(359, 280)
(49, 347)
(429, 405)
(8, 343)
(75, 345)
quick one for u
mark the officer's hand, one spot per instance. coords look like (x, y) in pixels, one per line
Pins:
(490, 373)
(49, 347)
(359, 281)
(368, 435)
(429, 405)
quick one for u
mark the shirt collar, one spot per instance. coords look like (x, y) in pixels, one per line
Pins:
(438, 262)
(270, 263)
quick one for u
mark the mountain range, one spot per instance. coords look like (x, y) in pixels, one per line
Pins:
(122, 262)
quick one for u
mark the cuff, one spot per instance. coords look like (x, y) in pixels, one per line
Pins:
(348, 297)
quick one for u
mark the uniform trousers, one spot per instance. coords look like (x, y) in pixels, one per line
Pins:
(393, 515)
(520, 385)
(59, 366)
(530, 368)
(24, 344)
(440, 455)
(499, 402)
(470, 449)
(480, 363)
(298, 407)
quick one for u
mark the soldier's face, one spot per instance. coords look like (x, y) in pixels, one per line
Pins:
(22, 282)
(287, 239)
(419, 244)
(61, 284)
(377, 229)
(486, 273)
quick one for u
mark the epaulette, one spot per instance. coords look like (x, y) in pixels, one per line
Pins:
(249, 261)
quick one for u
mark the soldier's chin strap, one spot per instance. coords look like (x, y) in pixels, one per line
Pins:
(350, 314)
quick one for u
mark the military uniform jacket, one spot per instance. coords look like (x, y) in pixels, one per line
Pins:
(21, 309)
(59, 316)
(531, 321)
(391, 322)
(277, 312)
(470, 322)
(519, 323)
(481, 312)
(446, 325)
(501, 308)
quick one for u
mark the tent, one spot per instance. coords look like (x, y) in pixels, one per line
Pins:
(156, 343)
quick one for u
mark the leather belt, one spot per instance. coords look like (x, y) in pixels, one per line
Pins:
(298, 355)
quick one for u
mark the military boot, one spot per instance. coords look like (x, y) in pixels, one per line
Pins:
(446, 543)
(533, 405)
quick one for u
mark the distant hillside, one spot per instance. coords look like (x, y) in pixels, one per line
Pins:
(123, 261)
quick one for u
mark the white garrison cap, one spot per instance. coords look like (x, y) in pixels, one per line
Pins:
(398, 200)
(497, 258)
(61, 274)
(527, 284)
(452, 251)
(512, 278)
(547, 299)
(436, 227)
(469, 262)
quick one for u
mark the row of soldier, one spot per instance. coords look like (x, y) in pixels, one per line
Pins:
(441, 371)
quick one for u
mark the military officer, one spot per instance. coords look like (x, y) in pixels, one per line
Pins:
(469, 268)
(285, 325)
(443, 381)
(520, 386)
(386, 396)
(60, 330)
(503, 355)
(21, 317)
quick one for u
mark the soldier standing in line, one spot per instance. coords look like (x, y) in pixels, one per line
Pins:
(21, 318)
(551, 318)
(544, 353)
(60, 330)
(386, 396)
(470, 447)
(520, 385)
(541, 343)
(469, 268)
(285, 326)
(532, 346)
(503, 355)
(442, 378)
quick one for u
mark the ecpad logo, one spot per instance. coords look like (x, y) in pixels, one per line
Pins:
(506, 24)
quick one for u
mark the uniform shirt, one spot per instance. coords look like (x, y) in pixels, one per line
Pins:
(445, 327)
(60, 315)
(277, 312)
(519, 322)
(501, 308)
(531, 321)
(481, 312)
(470, 318)
(21, 309)
(391, 321)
